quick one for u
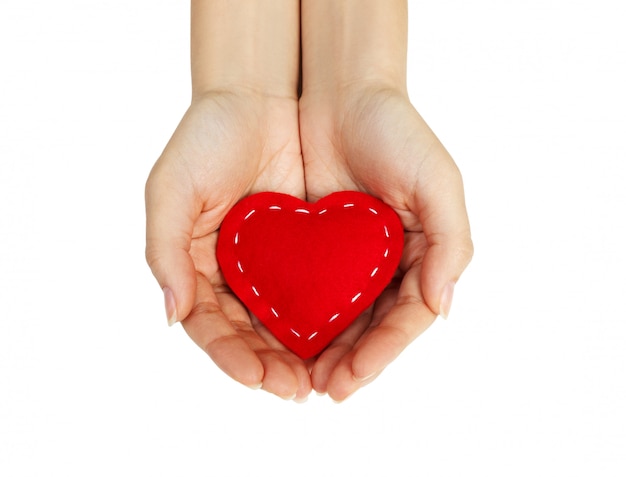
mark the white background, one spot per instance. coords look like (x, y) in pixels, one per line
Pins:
(527, 377)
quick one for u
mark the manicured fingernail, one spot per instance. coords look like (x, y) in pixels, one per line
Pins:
(170, 306)
(255, 387)
(446, 300)
(301, 400)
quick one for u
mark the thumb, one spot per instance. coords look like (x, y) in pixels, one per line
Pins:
(169, 226)
(443, 215)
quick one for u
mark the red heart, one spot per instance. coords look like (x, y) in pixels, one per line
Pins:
(308, 270)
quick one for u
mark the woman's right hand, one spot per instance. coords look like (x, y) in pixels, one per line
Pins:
(229, 144)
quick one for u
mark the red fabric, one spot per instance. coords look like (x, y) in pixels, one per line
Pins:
(308, 270)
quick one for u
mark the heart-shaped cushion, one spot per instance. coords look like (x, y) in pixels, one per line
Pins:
(307, 270)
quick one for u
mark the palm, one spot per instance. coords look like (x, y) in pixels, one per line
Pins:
(237, 146)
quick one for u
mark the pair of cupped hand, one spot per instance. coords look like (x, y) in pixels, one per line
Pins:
(231, 144)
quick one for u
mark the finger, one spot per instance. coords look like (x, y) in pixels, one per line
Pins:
(169, 225)
(439, 202)
(232, 342)
(341, 383)
(283, 377)
(240, 349)
(274, 355)
(210, 328)
(408, 318)
(333, 354)
(303, 376)
(326, 364)
(279, 378)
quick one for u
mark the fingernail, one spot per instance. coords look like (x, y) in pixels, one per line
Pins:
(170, 306)
(364, 378)
(255, 387)
(446, 300)
(301, 400)
(336, 401)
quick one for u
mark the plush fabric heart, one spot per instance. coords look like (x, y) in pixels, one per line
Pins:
(308, 270)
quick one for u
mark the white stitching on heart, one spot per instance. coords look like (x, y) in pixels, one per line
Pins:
(321, 212)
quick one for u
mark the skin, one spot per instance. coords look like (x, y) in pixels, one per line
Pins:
(247, 130)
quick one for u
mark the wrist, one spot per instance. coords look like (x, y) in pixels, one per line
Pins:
(245, 45)
(353, 42)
